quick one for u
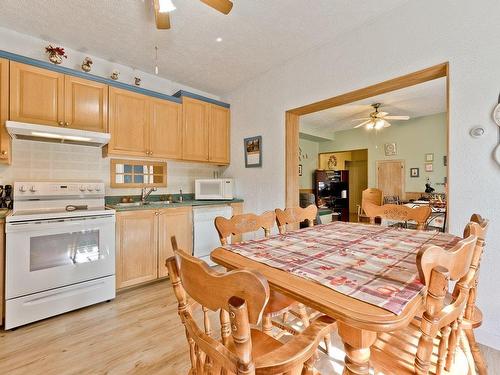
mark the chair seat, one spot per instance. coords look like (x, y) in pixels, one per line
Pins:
(395, 353)
(278, 304)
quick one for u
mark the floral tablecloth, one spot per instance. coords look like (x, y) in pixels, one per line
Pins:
(371, 263)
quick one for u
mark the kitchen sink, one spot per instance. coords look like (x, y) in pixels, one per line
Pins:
(138, 204)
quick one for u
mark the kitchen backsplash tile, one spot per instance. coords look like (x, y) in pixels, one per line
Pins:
(40, 161)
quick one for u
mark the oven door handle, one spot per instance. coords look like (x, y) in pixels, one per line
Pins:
(39, 225)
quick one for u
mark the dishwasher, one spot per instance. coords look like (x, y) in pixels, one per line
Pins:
(206, 238)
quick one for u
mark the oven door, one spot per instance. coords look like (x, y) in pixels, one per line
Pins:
(46, 254)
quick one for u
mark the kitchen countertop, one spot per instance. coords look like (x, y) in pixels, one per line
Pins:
(157, 206)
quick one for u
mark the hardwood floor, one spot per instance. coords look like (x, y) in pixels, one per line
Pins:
(137, 333)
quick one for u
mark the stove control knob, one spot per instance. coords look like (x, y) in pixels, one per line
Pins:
(97, 188)
(90, 188)
(33, 189)
(22, 188)
(82, 188)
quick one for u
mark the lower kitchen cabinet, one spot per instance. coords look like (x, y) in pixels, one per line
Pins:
(176, 222)
(143, 242)
(136, 247)
(2, 268)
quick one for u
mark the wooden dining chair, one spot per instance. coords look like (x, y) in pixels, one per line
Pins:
(473, 317)
(294, 216)
(371, 195)
(278, 304)
(430, 344)
(240, 298)
(397, 212)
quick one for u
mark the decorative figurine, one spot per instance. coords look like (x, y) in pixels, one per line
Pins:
(137, 81)
(55, 54)
(87, 64)
(115, 74)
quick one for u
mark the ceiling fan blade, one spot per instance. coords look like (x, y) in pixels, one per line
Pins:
(386, 124)
(223, 6)
(363, 124)
(362, 119)
(382, 114)
(397, 117)
(162, 19)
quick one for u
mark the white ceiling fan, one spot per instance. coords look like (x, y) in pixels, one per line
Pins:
(378, 120)
(163, 8)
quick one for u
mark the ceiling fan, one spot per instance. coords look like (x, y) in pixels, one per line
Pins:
(378, 120)
(163, 8)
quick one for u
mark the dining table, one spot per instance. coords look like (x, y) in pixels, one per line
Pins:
(364, 276)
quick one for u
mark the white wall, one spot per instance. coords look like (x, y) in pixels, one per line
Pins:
(36, 160)
(413, 138)
(309, 162)
(417, 35)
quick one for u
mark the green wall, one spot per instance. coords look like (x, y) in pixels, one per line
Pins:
(309, 164)
(414, 138)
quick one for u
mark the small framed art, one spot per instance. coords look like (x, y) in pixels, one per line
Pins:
(429, 157)
(414, 172)
(429, 167)
(390, 149)
(300, 169)
(253, 152)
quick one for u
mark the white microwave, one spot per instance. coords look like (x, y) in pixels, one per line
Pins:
(213, 189)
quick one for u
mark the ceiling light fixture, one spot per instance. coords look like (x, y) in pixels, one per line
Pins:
(219, 39)
(166, 6)
(156, 60)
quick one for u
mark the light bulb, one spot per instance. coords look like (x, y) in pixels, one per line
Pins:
(379, 124)
(166, 6)
(369, 126)
(156, 69)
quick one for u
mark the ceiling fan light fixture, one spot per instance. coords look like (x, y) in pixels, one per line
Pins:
(379, 124)
(370, 125)
(166, 6)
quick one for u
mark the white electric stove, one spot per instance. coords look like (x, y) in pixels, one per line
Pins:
(60, 250)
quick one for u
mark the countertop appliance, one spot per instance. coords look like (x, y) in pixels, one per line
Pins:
(206, 238)
(214, 189)
(60, 250)
(44, 133)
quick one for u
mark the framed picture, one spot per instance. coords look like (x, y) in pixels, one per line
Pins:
(445, 161)
(429, 167)
(300, 169)
(390, 149)
(414, 172)
(253, 152)
(429, 157)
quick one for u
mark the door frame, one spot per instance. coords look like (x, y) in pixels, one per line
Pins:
(403, 174)
(292, 119)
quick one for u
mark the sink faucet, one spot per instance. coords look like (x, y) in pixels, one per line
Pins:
(145, 193)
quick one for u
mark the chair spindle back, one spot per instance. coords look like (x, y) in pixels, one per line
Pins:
(398, 212)
(244, 223)
(294, 216)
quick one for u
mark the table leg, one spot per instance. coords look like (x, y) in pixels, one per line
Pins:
(357, 344)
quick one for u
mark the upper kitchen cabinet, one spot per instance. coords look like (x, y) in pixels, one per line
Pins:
(41, 96)
(86, 104)
(4, 111)
(36, 95)
(165, 129)
(219, 134)
(128, 123)
(196, 115)
(206, 131)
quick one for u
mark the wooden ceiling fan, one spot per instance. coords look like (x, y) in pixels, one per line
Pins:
(378, 120)
(163, 8)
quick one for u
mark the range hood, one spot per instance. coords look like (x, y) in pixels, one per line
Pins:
(43, 133)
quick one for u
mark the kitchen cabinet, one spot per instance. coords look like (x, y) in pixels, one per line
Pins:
(143, 126)
(5, 149)
(176, 222)
(136, 247)
(205, 131)
(165, 129)
(86, 104)
(143, 242)
(2, 267)
(218, 139)
(196, 114)
(42, 96)
(36, 95)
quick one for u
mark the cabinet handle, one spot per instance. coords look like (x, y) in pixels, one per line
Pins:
(157, 213)
(61, 123)
(66, 124)
(4, 152)
(150, 152)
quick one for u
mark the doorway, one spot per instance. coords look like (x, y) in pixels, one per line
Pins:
(391, 178)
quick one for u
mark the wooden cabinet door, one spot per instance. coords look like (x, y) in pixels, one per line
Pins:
(219, 134)
(195, 131)
(86, 104)
(128, 122)
(4, 111)
(165, 129)
(176, 222)
(36, 95)
(136, 247)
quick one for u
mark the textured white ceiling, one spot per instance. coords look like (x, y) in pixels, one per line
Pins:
(420, 100)
(257, 34)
